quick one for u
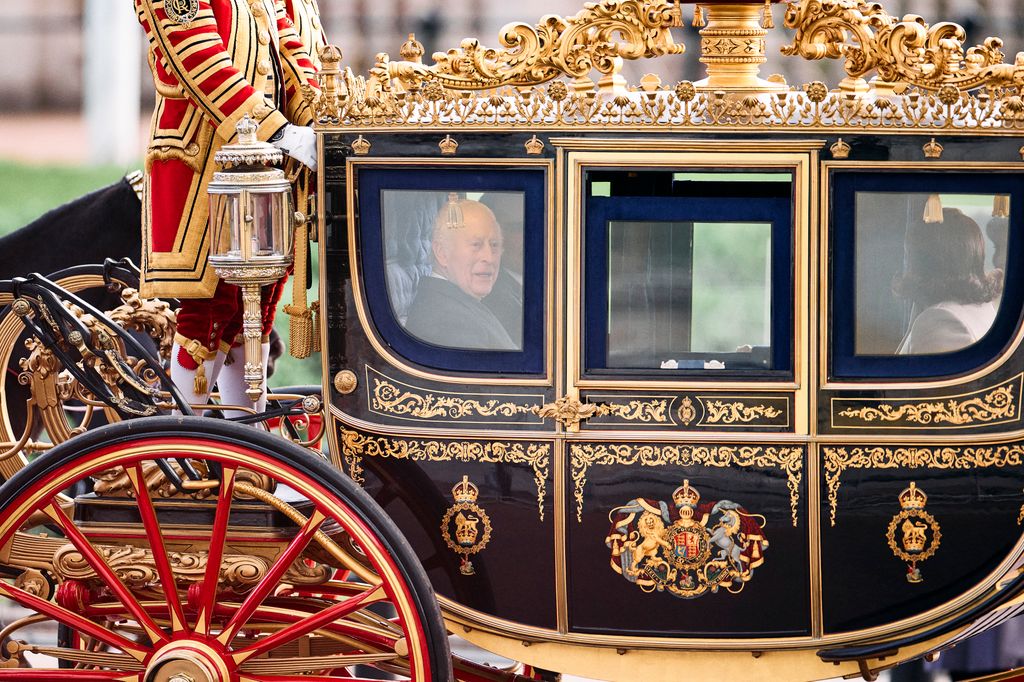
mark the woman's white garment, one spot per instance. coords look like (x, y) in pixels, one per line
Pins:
(946, 327)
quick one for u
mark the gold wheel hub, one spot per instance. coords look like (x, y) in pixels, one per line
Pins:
(187, 662)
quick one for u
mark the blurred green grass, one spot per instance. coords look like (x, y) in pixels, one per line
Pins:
(27, 191)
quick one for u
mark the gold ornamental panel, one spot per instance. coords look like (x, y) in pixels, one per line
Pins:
(836, 460)
(537, 456)
(392, 398)
(719, 411)
(789, 460)
(988, 407)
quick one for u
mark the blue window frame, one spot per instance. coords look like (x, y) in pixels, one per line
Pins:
(399, 207)
(881, 223)
(660, 270)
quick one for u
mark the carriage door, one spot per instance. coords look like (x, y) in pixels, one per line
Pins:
(685, 343)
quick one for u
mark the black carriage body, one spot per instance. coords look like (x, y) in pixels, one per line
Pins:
(875, 487)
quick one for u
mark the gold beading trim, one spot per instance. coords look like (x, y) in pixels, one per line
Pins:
(993, 405)
(901, 51)
(356, 445)
(393, 398)
(787, 459)
(839, 459)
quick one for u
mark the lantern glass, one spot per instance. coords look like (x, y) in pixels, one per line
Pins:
(225, 219)
(271, 213)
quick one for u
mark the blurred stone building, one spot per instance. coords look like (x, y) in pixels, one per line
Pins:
(42, 45)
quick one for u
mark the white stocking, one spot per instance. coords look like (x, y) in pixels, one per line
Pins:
(185, 379)
(232, 382)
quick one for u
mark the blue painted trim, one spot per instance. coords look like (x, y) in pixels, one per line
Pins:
(844, 362)
(601, 210)
(371, 181)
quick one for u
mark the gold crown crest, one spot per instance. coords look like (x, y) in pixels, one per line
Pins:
(464, 491)
(913, 497)
(684, 495)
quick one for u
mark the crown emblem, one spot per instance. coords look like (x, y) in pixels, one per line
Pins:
(913, 497)
(534, 146)
(448, 146)
(246, 129)
(685, 496)
(465, 491)
(840, 150)
(932, 149)
(361, 146)
(466, 529)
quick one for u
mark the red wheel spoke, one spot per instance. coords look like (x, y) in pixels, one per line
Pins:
(77, 622)
(156, 544)
(302, 678)
(305, 626)
(272, 578)
(67, 675)
(208, 593)
(89, 553)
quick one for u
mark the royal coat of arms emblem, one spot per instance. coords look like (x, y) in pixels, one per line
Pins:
(182, 11)
(696, 548)
(466, 528)
(913, 534)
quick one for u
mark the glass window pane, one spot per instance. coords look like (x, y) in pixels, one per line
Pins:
(689, 295)
(928, 270)
(454, 266)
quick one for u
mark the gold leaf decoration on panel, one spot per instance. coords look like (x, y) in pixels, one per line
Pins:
(839, 459)
(719, 412)
(989, 406)
(356, 445)
(900, 51)
(595, 38)
(584, 455)
(636, 410)
(568, 410)
(393, 398)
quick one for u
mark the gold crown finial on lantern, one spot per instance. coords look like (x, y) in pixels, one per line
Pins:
(246, 129)
(913, 497)
(464, 491)
(685, 496)
(412, 50)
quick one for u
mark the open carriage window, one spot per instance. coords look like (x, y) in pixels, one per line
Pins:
(924, 259)
(453, 264)
(688, 271)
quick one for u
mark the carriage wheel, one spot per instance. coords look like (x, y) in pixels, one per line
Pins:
(193, 587)
(15, 383)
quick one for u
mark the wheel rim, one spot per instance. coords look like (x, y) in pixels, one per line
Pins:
(171, 631)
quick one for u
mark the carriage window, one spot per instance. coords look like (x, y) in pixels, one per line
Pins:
(688, 271)
(675, 289)
(454, 266)
(929, 270)
(919, 271)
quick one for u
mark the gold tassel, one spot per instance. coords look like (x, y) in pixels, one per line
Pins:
(1001, 206)
(300, 328)
(677, 15)
(933, 209)
(314, 308)
(698, 16)
(199, 383)
(766, 15)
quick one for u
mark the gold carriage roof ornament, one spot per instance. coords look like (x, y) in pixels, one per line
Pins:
(922, 77)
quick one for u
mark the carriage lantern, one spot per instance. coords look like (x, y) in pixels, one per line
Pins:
(252, 225)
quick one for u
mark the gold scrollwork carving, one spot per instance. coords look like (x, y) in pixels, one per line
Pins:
(839, 459)
(405, 401)
(568, 410)
(595, 38)
(136, 567)
(901, 51)
(585, 455)
(637, 410)
(993, 405)
(736, 412)
(356, 445)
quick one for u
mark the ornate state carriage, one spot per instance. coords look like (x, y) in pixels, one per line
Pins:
(654, 382)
